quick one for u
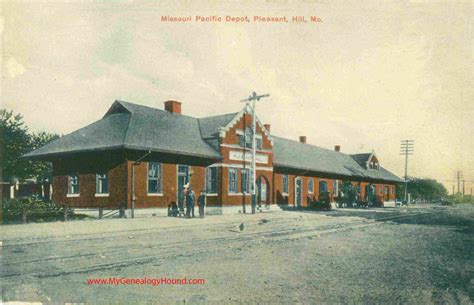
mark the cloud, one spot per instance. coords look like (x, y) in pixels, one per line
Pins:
(14, 68)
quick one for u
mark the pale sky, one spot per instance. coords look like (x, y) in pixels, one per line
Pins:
(366, 77)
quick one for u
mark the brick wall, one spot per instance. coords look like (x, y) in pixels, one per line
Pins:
(86, 169)
(169, 185)
(306, 196)
(289, 198)
(231, 138)
(238, 198)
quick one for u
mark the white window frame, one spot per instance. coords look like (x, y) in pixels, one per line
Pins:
(335, 188)
(285, 186)
(233, 172)
(70, 192)
(159, 179)
(311, 186)
(99, 184)
(245, 171)
(246, 137)
(321, 182)
(208, 180)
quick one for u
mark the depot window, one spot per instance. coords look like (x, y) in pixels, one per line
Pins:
(154, 178)
(323, 186)
(233, 181)
(211, 177)
(102, 183)
(285, 184)
(73, 184)
(245, 173)
(311, 186)
(335, 188)
(245, 139)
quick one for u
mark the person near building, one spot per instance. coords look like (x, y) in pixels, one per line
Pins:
(182, 200)
(202, 203)
(190, 198)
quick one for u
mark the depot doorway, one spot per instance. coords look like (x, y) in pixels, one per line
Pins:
(263, 191)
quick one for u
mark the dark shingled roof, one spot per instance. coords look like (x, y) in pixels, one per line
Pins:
(210, 125)
(107, 133)
(297, 155)
(132, 126)
(361, 158)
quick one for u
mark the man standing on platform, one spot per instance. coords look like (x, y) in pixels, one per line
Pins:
(190, 198)
(202, 203)
(182, 200)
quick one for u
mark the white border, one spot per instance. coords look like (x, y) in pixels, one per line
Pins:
(101, 195)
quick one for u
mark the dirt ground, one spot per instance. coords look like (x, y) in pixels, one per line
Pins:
(415, 255)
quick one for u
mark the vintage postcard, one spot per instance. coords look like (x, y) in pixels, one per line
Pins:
(237, 152)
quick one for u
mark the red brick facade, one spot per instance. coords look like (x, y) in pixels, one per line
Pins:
(86, 170)
(289, 198)
(119, 169)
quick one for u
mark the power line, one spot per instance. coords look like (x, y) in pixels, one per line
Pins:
(250, 102)
(407, 147)
(459, 174)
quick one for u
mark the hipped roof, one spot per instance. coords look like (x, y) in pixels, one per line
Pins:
(131, 126)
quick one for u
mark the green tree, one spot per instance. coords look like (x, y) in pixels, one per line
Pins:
(42, 171)
(424, 189)
(16, 140)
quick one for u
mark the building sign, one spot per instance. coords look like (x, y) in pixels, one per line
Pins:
(239, 156)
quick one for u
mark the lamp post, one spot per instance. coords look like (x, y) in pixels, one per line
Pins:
(250, 102)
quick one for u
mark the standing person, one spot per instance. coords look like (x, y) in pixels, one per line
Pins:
(202, 203)
(182, 200)
(190, 197)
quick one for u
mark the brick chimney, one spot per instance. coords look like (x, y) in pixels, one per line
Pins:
(267, 127)
(337, 148)
(173, 107)
(303, 139)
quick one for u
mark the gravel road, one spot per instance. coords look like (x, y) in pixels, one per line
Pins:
(417, 255)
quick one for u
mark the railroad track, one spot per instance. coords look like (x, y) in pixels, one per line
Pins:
(123, 233)
(172, 250)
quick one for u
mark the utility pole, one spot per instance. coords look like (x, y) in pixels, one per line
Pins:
(250, 102)
(463, 189)
(406, 148)
(459, 174)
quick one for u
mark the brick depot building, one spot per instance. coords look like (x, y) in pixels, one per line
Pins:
(92, 167)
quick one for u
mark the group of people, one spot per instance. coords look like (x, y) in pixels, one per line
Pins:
(187, 198)
(351, 195)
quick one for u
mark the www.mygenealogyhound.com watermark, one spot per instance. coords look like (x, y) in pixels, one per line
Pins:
(145, 281)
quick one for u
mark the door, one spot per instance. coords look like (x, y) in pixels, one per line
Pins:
(298, 191)
(261, 191)
(386, 193)
(183, 178)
